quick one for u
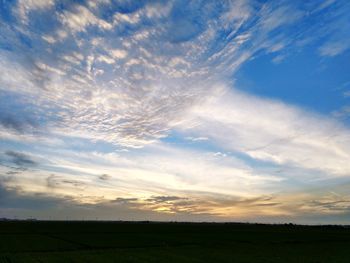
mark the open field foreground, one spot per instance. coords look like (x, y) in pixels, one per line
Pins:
(170, 242)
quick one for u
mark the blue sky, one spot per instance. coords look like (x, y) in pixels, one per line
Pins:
(175, 110)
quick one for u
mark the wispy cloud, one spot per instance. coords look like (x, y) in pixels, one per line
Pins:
(334, 48)
(272, 131)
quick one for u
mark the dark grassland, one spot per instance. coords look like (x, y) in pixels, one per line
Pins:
(38, 241)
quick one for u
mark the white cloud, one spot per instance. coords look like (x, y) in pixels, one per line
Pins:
(276, 47)
(80, 18)
(138, 100)
(106, 59)
(44, 67)
(118, 53)
(238, 12)
(324, 4)
(98, 3)
(272, 131)
(156, 170)
(157, 10)
(24, 7)
(49, 39)
(342, 112)
(124, 18)
(196, 139)
(271, 18)
(332, 49)
(209, 182)
(278, 59)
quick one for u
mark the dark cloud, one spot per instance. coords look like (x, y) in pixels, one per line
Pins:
(105, 177)
(338, 205)
(12, 172)
(256, 201)
(15, 198)
(53, 181)
(21, 159)
(17, 124)
(14, 202)
(248, 203)
(162, 199)
(121, 200)
(6, 178)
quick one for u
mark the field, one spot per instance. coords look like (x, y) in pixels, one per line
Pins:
(38, 241)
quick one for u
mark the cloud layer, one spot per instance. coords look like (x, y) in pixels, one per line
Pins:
(137, 105)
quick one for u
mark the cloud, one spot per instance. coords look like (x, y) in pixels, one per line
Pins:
(105, 177)
(15, 198)
(158, 176)
(275, 17)
(334, 48)
(21, 159)
(164, 199)
(331, 205)
(325, 4)
(20, 204)
(336, 34)
(121, 200)
(278, 59)
(54, 181)
(89, 88)
(144, 92)
(196, 139)
(287, 135)
(19, 125)
(343, 112)
(238, 11)
(16, 203)
(81, 17)
(155, 190)
(12, 172)
(25, 7)
(118, 53)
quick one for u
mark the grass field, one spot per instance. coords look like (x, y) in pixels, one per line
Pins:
(24, 241)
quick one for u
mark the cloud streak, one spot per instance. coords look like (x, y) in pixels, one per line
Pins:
(272, 131)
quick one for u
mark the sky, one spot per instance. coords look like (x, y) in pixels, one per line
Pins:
(175, 110)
